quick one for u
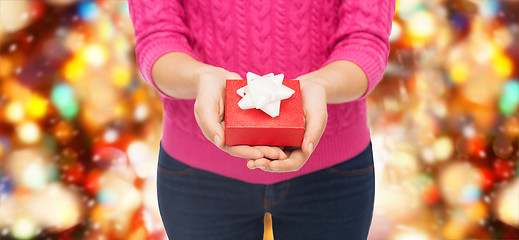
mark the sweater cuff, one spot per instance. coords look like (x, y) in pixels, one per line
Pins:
(372, 66)
(151, 52)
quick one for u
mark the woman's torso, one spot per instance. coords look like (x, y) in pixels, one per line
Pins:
(264, 36)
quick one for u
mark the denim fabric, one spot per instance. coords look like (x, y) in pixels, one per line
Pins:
(333, 203)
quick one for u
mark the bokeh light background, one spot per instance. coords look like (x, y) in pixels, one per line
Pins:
(80, 129)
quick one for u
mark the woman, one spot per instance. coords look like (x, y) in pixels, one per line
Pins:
(208, 190)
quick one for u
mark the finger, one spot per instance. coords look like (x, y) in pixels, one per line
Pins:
(250, 164)
(208, 118)
(272, 152)
(294, 162)
(262, 163)
(243, 151)
(315, 122)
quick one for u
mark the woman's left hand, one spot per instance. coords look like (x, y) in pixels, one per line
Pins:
(313, 96)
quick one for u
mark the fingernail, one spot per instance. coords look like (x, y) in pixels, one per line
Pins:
(217, 140)
(262, 168)
(310, 148)
(275, 169)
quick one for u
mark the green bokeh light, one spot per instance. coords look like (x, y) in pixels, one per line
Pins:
(62, 96)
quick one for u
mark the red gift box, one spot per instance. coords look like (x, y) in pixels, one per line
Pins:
(254, 127)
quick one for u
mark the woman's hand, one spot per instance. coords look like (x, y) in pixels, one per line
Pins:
(209, 113)
(315, 113)
(338, 82)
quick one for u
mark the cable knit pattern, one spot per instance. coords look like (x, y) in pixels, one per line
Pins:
(292, 37)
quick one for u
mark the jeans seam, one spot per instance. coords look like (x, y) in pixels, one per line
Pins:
(267, 201)
(284, 193)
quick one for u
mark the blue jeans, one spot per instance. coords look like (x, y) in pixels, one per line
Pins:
(333, 203)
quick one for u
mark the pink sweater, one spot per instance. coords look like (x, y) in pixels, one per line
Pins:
(263, 36)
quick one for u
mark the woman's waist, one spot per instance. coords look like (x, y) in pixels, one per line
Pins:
(188, 145)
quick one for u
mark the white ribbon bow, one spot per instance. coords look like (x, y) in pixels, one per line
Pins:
(264, 92)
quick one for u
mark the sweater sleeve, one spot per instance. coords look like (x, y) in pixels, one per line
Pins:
(362, 36)
(159, 27)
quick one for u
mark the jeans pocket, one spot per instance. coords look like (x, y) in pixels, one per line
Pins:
(170, 166)
(358, 165)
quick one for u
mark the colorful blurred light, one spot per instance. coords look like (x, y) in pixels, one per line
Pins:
(6, 185)
(88, 10)
(141, 112)
(511, 127)
(110, 135)
(34, 176)
(29, 168)
(407, 7)
(36, 107)
(420, 27)
(488, 8)
(92, 183)
(14, 15)
(459, 72)
(106, 197)
(63, 131)
(121, 76)
(74, 41)
(5, 143)
(62, 96)
(476, 211)
(14, 112)
(28, 132)
(504, 169)
(7, 67)
(61, 2)
(502, 146)
(56, 215)
(454, 229)
(94, 54)
(453, 184)
(507, 205)
(470, 194)
(105, 30)
(110, 158)
(486, 178)
(74, 69)
(119, 197)
(410, 235)
(431, 194)
(503, 65)
(396, 32)
(138, 153)
(509, 101)
(73, 173)
(23, 228)
(460, 22)
(443, 148)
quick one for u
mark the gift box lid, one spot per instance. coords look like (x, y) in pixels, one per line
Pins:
(290, 113)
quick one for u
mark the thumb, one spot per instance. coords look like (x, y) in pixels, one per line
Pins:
(316, 116)
(209, 111)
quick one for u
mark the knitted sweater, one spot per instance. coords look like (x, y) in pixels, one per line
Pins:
(263, 36)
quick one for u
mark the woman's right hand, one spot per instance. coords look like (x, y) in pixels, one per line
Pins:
(209, 113)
